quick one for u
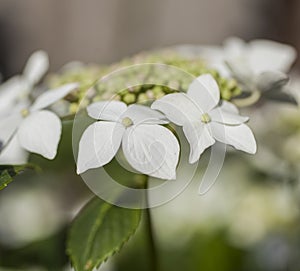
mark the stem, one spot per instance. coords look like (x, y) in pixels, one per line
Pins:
(252, 99)
(150, 235)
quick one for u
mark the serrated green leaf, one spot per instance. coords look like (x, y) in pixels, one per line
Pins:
(7, 173)
(99, 231)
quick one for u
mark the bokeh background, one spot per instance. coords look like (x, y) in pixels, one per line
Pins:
(105, 31)
(248, 221)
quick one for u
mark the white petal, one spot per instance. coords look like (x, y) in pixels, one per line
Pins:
(240, 69)
(10, 87)
(234, 47)
(98, 145)
(144, 114)
(152, 150)
(108, 110)
(178, 107)
(204, 90)
(53, 95)
(8, 127)
(230, 107)
(236, 51)
(40, 133)
(267, 55)
(271, 80)
(13, 153)
(36, 67)
(213, 55)
(226, 117)
(199, 138)
(12, 92)
(240, 137)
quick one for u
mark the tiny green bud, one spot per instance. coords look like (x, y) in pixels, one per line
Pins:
(129, 98)
(215, 74)
(231, 83)
(150, 94)
(73, 108)
(142, 98)
(226, 94)
(157, 90)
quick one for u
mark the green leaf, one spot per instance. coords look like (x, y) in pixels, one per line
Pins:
(7, 173)
(99, 231)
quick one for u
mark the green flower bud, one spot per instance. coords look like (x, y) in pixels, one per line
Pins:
(129, 98)
(73, 108)
(142, 98)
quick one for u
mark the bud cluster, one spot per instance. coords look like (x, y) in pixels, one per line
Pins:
(89, 79)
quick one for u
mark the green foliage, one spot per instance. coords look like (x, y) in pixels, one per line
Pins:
(99, 231)
(8, 173)
(201, 251)
(47, 253)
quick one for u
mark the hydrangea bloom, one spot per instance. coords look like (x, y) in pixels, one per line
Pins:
(259, 66)
(254, 57)
(204, 121)
(260, 55)
(17, 87)
(148, 147)
(31, 128)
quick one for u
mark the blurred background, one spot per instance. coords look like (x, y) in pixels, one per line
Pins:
(104, 31)
(250, 219)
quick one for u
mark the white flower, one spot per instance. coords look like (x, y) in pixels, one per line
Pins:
(19, 86)
(203, 120)
(260, 55)
(148, 147)
(250, 59)
(31, 128)
(261, 65)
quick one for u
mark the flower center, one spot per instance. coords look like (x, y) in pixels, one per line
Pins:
(127, 122)
(205, 118)
(24, 112)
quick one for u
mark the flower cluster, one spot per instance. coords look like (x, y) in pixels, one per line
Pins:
(26, 123)
(151, 148)
(88, 76)
(236, 74)
(259, 66)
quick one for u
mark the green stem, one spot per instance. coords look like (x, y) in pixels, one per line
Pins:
(251, 100)
(150, 234)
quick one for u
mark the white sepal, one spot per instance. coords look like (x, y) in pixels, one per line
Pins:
(40, 133)
(152, 150)
(98, 145)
